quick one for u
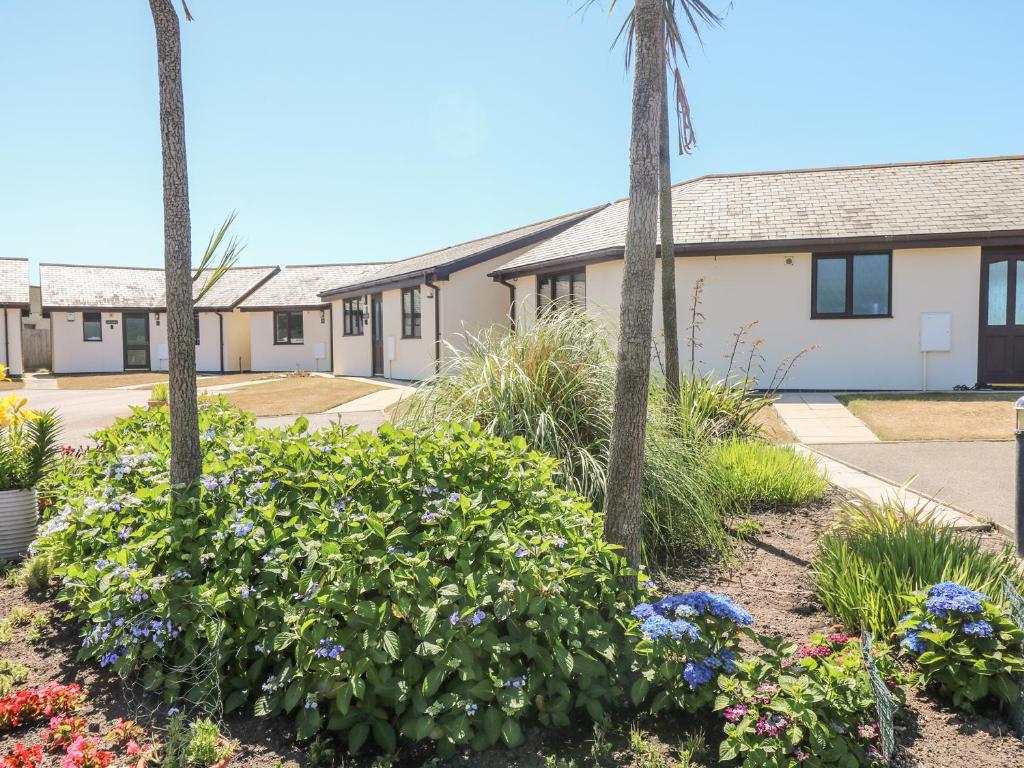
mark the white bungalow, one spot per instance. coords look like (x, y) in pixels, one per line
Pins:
(412, 305)
(290, 325)
(113, 319)
(14, 300)
(906, 276)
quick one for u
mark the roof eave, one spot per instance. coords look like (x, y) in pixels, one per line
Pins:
(822, 245)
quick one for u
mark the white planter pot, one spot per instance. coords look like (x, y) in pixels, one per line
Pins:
(18, 517)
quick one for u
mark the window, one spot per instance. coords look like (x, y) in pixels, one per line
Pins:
(353, 311)
(411, 315)
(92, 326)
(288, 327)
(561, 289)
(195, 320)
(852, 285)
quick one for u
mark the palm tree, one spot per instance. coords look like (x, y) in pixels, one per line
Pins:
(623, 515)
(653, 30)
(186, 460)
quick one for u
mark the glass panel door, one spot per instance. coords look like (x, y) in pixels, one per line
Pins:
(136, 341)
(998, 292)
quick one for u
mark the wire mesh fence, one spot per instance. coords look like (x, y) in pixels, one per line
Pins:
(886, 705)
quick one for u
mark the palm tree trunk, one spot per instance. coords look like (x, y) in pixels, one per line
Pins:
(186, 461)
(669, 318)
(623, 515)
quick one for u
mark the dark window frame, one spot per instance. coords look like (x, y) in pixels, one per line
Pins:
(195, 316)
(99, 324)
(414, 317)
(353, 316)
(848, 313)
(290, 341)
(575, 276)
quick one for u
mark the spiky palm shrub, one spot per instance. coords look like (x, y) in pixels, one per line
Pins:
(552, 385)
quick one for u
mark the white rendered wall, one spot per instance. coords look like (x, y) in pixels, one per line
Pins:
(268, 356)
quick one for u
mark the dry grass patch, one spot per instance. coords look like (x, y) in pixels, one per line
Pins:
(108, 380)
(219, 380)
(936, 416)
(8, 384)
(772, 426)
(284, 397)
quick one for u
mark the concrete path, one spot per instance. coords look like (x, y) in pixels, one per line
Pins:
(83, 411)
(974, 476)
(879, 490)
(384, 398)
(817, 417)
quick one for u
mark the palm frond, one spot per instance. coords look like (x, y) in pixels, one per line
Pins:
(227, 260)
(696, 13)
(44, 432)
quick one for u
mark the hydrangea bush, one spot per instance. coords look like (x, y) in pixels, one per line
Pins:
(685, 641)
(964, 643)
(434, 586)
(809, 706)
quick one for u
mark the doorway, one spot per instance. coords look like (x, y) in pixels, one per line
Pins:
(377, 332)
(136, 341)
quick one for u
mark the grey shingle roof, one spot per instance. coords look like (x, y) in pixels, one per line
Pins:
(881, 201)
(455, 257)
(13, 282)
(300, 286)
(75, 285)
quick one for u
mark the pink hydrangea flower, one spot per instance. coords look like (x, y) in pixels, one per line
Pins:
(736, 712)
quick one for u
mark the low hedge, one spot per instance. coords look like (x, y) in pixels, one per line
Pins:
(434, 586)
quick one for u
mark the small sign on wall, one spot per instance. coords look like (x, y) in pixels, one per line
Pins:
(111, 323)
(936, 331)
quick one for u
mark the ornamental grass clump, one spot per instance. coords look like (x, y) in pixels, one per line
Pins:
(685, 642)
(758, 475)
(793, 706)
(965, 644)
(552, 385)
(878, 554)
(437, 585)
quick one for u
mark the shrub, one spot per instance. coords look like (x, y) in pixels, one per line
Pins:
(159, 393)
(686, 640)
(878, 554)
(724, 409)
(552, 385)
(435, 585)
(791, 705)
(28, 443)
(965, 644)
(757, 475)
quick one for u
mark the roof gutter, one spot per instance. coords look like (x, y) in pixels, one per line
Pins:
(797, 245)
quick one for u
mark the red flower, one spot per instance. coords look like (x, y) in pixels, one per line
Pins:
(21, 756)
(32, 704)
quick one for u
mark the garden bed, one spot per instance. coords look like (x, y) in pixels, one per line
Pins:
(770, 576)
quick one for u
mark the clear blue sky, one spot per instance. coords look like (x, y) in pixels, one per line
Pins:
(347, 131)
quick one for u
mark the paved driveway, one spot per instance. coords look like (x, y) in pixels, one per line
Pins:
(86, 410)
(975, 476)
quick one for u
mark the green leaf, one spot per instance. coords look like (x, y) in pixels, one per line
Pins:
(511, 733)
(292, 695)
(307, 723)
(357, 737)
(639, 691)
(391, 644)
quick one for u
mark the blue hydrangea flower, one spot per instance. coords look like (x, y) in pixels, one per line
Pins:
(697, 673)
(454, 618)
(979, 628)
(642, 611)
(477, 617)
(913, 643)
(330, 649)
(701, 603)
(471, 709)
(949, 597)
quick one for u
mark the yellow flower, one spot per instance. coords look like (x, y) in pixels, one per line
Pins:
(13, 412)
(3, 371)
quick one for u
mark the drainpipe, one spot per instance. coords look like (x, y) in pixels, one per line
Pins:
(7, 341)
(511, 301)
(330, 338)
(437, 322)
(220, 330)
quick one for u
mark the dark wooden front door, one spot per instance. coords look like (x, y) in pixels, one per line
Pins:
(1001, 327)
(377, 332)
(136, 341)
